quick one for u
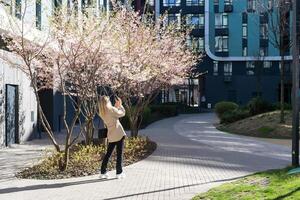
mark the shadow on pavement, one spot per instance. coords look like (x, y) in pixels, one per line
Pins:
(51, 186)
(174, 188)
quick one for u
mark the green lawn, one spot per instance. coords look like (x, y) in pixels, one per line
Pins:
(271, 185)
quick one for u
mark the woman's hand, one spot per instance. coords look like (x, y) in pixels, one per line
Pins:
(118, 103)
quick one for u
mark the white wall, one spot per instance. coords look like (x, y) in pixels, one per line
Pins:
(27, 101)
(14, 76)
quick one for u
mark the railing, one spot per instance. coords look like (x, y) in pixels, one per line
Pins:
(195, 2)
(172, 2)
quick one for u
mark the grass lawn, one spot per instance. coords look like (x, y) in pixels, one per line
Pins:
(265, 125)
(271, 185)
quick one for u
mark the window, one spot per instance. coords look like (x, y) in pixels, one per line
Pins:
(228, 2)
(216, 68)
(195, 2)
(196, 43)
(216, 2)
(221, 20)
(267, 64)
(221, 44)
(201, 44)
(172, 2)
(245, 18)
(270, 4)
(245, 31)
(174, 19)
(38, 15)
(264, 31)
(245, 51)
(264, 17)
(287, 67)
(228, 69)
(263, 51)
(250, 66)
(251, 5)
(18, 8)
(195, 20)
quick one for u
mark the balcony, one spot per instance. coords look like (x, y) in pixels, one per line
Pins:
(222, 53)
(244, 42)
(171, 3)
(199, 32)
(195, 2)
(222, 31)
(245, 18)
(228, 8)
(264, 42)
(264, 18)
(216, 8)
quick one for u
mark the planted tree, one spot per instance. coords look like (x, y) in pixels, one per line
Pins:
(83, 47)
(67, 60)
(277, 13)
(147, 57)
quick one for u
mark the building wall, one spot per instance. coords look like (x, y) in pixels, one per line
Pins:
(27, 103)
(9, 75)
(241, 85)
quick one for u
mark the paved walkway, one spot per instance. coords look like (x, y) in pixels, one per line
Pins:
(192, 156)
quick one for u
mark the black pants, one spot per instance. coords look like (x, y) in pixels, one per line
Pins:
(110, 149)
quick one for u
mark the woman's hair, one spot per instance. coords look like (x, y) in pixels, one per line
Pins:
(103, 105)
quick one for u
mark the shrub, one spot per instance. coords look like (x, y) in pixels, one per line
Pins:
(286, 106)
(86, 160)
(165, 110)
(257, 106)
(225, 106)
(146, 118)
(234, 115)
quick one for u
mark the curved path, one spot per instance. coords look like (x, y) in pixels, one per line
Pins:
(192, 156)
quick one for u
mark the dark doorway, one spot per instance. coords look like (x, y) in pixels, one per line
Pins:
(11, 115)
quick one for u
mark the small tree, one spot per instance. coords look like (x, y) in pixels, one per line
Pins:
(84, 51)
(69, 63)
(278, 12)
(148, 56)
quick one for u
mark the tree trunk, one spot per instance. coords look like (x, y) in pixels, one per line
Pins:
(64, 160)
(134, 132)
(134, 128)
(63, 165)
(89, 132)
(282, 89)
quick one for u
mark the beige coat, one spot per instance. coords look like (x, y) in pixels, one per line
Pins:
(114, 127)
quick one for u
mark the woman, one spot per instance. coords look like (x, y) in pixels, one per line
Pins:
(115, 134)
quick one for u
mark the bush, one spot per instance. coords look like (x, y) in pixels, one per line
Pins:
(165, 110)
(153, 113)
(286, 106)
(225, 106)
(86, 160)
(147, 118)
(257, 106)
(234, 115)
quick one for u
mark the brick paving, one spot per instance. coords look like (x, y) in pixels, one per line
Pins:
(192, 157)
